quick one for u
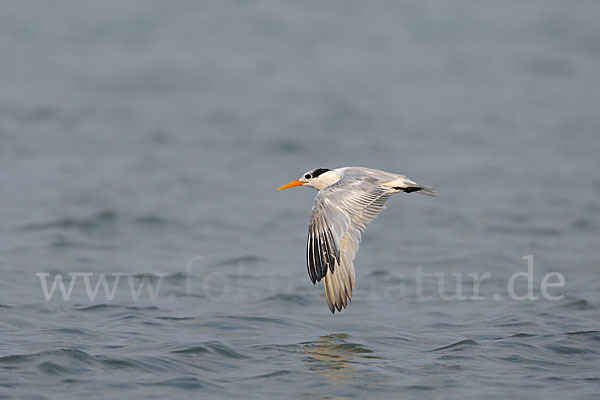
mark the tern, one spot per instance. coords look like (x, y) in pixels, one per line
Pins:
(349, 198)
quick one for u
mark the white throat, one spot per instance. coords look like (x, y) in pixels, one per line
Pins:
(325, 179)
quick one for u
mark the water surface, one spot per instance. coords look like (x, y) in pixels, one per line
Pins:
(146, 140)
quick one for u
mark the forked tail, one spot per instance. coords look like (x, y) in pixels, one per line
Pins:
(428, 190)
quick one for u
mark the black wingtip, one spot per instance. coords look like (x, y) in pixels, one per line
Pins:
(409, 189)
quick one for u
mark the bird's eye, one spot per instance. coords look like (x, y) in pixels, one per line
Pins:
(307, 176)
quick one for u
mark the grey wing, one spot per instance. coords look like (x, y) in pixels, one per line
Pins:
(339, 214)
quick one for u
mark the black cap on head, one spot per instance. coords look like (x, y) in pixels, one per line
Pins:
(319, 171)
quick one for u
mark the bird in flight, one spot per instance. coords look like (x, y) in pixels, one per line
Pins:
(348, 199)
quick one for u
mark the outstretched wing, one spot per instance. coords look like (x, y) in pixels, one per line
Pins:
(339, 214)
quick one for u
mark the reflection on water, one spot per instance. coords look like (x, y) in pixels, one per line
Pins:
(333, 357)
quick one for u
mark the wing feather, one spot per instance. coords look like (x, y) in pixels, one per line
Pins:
(339, 214)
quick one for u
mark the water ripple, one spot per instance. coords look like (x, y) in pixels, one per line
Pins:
(213, 347)
(288, 298)
(458, 346)
(101, 219)
(579, 305)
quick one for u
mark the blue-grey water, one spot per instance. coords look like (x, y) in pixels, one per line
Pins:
(142, 143)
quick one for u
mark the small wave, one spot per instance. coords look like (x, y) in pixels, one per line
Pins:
(593, 335)
(420, 388)
(97, 220)
(97, 307)
(564, 349)
(15, 358)
(151, 219)
(73, 354)
(514, 323)
(579, 305)
(188, 382)
(522, 335)
(226, 351)
(458, 345)
(146, 275)
(554, 379)
(584, 225)
(270, 375)
(445, 325)
(71, 331)
(249, 259)
(51, 368)
(177, 276)
(528, 231)
(592, 379)
(454, 357)
(288, 298)
(287, 146)
(532, 358)
(143, 363)
(111, 306)
(192, 350)
(142, 308)
(118, 363)
(387, 340)
(516, 344)
(174, 318)
(261, 320)
(61, 242)
(70, 381)
(274, 374)
(378, 272)
(213, 347)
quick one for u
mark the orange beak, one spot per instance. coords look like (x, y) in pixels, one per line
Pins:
(297, 182)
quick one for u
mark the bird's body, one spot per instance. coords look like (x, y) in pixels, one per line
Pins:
(349, 198)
